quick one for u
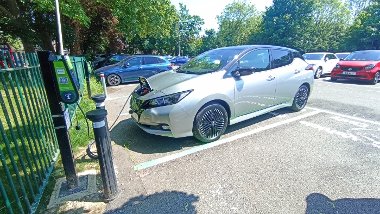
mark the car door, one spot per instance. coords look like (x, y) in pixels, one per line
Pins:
(131, 69)
(151, 66)
(285, 71)
(254, 91)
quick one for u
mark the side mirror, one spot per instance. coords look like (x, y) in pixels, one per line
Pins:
(239, 72)
(327, 59)
(126, 65)
(236, 74)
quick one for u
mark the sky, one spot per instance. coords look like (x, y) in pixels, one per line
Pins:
(209, 9)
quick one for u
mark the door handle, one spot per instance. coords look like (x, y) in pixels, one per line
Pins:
(270, 78)
(297, 71)
(140, 67)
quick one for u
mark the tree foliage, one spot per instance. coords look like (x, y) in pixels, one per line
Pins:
(238, 21)
(365, 32)
(188, 30)
(209, 40)
(155, 26)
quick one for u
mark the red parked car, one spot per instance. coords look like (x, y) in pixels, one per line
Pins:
(359, 65)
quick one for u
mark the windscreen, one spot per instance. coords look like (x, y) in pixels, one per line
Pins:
(364, 56)
(210, 61)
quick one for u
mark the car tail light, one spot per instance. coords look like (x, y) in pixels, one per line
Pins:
(310, 67)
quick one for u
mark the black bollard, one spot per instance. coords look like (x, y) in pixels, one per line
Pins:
(103, 146)
(99, 101)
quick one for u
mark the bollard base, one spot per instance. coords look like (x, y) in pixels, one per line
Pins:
(62, 192)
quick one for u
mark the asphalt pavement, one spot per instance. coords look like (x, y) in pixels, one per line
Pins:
(324, 159)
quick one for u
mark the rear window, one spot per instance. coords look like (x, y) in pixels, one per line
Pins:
(281, 58)
(313, 56)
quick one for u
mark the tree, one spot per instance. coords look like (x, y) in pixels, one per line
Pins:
(288, 23)
(209, 40)
(356, 6)
(365, 32)
(329, 26)
(34, 21)
(238, 21)
(188, 31)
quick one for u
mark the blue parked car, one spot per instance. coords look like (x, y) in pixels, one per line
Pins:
(179, 60)
(131, 68)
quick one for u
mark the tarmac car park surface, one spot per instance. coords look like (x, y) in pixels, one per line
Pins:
(324, 159)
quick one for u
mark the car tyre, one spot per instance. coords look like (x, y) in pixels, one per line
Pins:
(318, 73)
(376, 78)
(300, 99)
(210, 123)
(113, 80)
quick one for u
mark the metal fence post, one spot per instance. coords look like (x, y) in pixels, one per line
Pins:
(58, 111)
(103, 145)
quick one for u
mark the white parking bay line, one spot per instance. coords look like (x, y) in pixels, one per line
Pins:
(171, 157)
(346, 116)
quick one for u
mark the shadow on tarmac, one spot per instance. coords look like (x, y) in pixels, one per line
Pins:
(319, 203)
(348, 82)
(160, 203)
(127, 134)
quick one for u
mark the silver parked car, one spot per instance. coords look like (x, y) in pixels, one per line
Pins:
(221, 87)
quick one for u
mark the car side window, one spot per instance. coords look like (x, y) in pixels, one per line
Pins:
(256, 59)
(150, 60)
(160, 60)
(135, 61)
(114, 59)
(331, 56)
(281, 58)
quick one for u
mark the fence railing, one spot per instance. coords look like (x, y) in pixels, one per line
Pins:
(28, 144)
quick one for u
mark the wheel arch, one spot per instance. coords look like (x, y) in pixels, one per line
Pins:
(217, 101)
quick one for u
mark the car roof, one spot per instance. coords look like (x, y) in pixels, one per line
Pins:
(248, 47)
(376, 51)
(319, 53)
(147, 55)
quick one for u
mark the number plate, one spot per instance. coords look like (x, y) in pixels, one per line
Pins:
(349, 73)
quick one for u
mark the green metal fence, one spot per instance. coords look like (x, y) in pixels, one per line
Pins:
(28, 145)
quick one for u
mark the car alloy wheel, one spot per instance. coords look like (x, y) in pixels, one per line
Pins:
(300, 99)
(210, 123)
(376, 78)
(318, 73)
(113, 80)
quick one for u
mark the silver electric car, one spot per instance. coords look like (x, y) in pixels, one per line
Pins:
(221, 87)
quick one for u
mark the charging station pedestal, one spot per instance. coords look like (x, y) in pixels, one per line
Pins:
(60, 89)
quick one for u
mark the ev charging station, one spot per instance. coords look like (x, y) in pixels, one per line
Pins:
(61, 89)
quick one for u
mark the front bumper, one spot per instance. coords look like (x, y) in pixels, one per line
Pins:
(170, 121)
(356, 75)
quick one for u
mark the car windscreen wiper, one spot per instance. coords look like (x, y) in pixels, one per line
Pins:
(187, 72)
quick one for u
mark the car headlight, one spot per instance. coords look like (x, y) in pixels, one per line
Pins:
(369, 67)
(166, 100)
